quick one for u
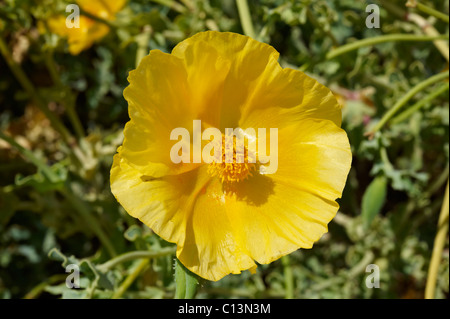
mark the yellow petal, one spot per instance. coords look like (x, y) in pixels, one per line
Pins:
(289, 98)
(57, 25)
(212, 247)
(206, 72)
(105, 9)
(268, 216)
(314, 155)
(248, 59)
(114, 6)
(80, 38)
(281, 212)
(158, 102)
(256, 81)
(183, 209)
(156, 202)
(275, 220)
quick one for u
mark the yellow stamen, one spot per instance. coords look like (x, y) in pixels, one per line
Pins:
(236, 171)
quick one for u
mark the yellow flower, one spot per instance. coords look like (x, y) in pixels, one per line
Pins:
(225, 217)
(90, 30)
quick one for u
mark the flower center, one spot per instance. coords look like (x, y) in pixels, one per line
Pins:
(243, 163)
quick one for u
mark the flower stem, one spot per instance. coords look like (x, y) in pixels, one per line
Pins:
(246, 20)
(33, 94)
(438, 182)
(142, 44)
(69, 102)
(429, 30)
(140, 254)
(426, 27)
(77, 203)
(143, 263)
(172, 5)
(428, 10)
(430, 97)
(439, 242)
(416, 89)
(180, 280)
(46, 171)
(96, 18)
(186, 282)
(37, 290)
(86, 213)
(288, 277)
(381, 39)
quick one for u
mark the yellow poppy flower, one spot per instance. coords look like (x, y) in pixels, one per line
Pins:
(224, 217)
(90, 30)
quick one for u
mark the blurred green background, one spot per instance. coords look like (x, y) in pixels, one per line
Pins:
(62, 116)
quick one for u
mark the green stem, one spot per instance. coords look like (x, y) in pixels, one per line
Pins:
(131, 278)
(420, 21)
(97, 19)
(142, 44)
(50, 63)
(186, 282)
(439, 242)
(360, 267)
(172, 5)
(37, 290)
(180, 280)
(77, 203)
(430, 97)
(246, 20)
(381, 39)
(87, 214)
(46, 171)
(33, 94)
(385, 159)
(288, 277)
(392, 8)
(68, 103)
(429, 30)
(74, 119)
(432, 12)
(438, 182)
(135, 255)
(416, 89)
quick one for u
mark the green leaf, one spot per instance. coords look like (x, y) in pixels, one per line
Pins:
(42, 183)
(86, 267)
(8, 206)
(133, 233)
(373, 200)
